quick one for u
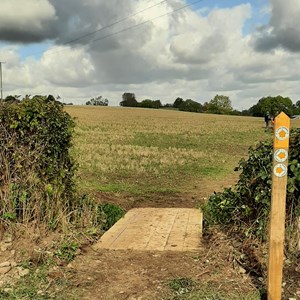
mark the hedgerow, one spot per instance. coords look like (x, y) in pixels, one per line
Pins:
(246, 205)
(37, 171)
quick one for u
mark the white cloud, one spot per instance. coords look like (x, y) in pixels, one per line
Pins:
(74, 69)
(188, 54)
(283, 30)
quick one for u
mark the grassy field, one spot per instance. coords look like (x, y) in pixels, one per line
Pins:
(141, 151)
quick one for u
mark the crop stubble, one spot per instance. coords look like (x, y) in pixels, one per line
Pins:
(140, 151)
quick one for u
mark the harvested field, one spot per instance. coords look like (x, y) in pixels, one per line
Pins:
(144, 151)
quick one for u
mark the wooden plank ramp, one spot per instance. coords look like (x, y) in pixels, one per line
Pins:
(156, 229)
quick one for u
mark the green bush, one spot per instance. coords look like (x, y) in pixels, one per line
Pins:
(247, 204)
(67, 251)
(108, 215)
(36, 168)
(37, 172)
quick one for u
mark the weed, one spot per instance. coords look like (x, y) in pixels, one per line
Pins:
(67, 251)
(182, 285)
(109, 214)
(209, 294)
(36, 286)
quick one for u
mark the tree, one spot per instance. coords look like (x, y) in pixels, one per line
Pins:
(191, 106)
(235, 112)
(98, 101)
(296, 108)
(177, 102)
(219, 105)
(273, 105)
(168, 105)
(129, 100)
(12, 99)
(147, 103)
(245, 112)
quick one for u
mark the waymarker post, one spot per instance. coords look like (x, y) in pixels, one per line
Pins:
(278, 202)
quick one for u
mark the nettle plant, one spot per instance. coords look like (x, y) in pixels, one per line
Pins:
(247, 204)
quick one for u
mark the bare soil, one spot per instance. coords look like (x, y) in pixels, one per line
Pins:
(107, 274)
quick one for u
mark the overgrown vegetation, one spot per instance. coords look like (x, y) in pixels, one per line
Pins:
(37, 171)
(109, 214)
(247, 204)
(67, 251)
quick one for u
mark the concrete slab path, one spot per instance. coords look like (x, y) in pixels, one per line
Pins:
(177, 229)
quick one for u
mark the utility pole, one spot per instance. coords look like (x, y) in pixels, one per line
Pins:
(1, 86)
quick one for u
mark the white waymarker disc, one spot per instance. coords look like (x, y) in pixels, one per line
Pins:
(282, 133)
(281, 155)
(280, 170)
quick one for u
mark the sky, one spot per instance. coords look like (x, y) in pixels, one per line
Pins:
(80, 49)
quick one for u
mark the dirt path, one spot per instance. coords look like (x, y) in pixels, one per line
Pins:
(131, 274)
(125, 274)
(208, 272)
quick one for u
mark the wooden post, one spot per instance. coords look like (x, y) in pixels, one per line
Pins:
(277, 217)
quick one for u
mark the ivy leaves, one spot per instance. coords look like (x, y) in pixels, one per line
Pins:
(247, 204)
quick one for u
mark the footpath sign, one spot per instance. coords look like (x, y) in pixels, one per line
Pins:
(277, 216)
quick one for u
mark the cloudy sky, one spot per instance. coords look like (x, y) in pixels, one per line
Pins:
(80, 49)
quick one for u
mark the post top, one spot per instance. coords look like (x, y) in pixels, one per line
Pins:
(282, 131)
(282, 115)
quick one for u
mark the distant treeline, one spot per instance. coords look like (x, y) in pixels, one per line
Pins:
(220, 104)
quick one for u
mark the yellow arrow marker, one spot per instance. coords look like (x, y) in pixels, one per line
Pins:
(282, 134)
(281, 155)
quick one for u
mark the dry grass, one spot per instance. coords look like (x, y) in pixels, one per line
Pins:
(143, 150)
